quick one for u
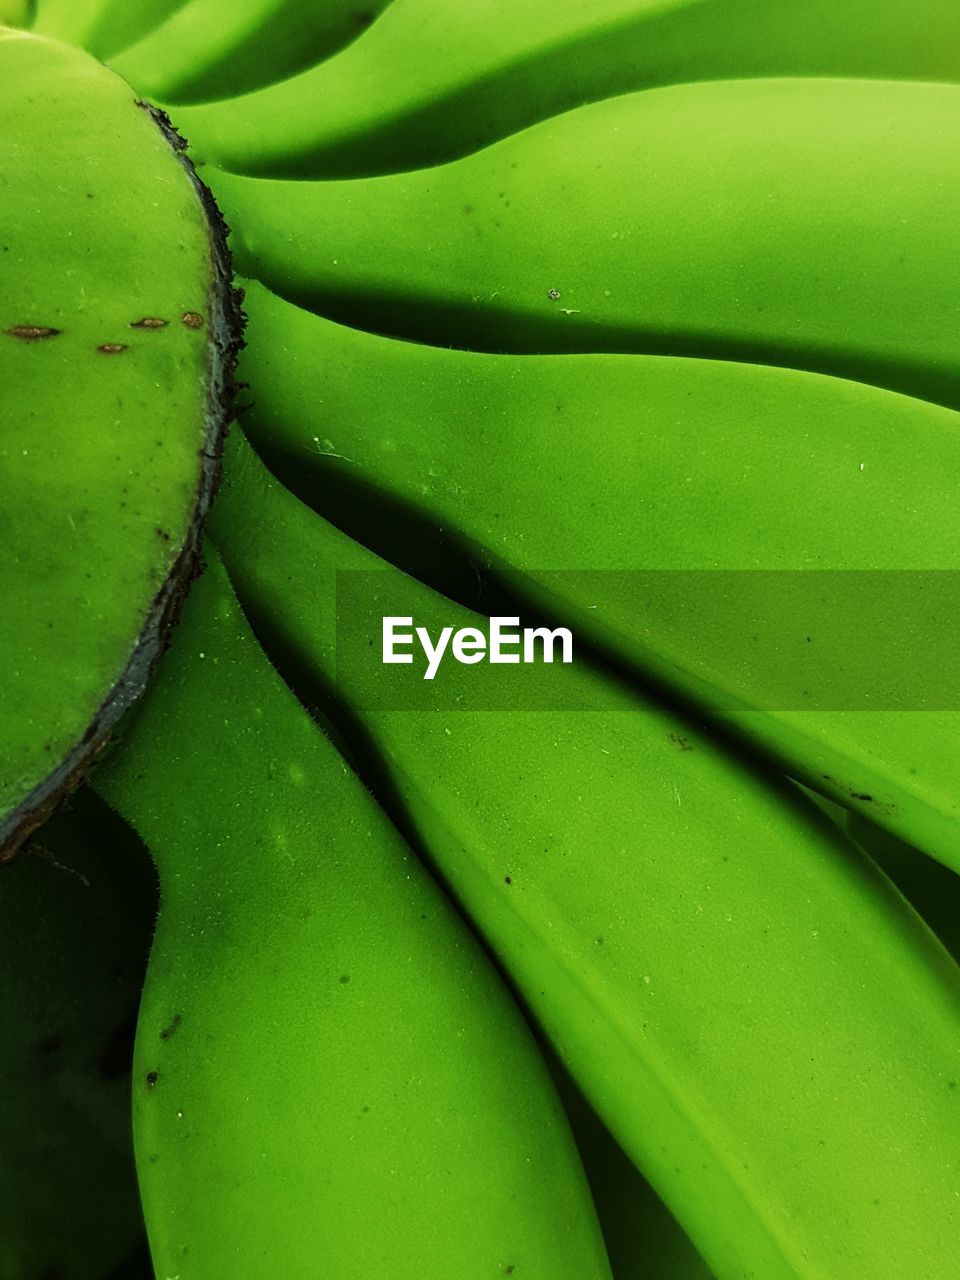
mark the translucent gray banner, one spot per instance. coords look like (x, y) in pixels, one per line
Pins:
(776, 640)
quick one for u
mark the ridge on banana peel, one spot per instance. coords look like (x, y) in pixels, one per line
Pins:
(643, 1238)
(534, 462)
(434, 79)
(725, 219)
(660, 934)
(321, 1042)
(75, 914)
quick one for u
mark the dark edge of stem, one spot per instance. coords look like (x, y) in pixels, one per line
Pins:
(224, 341)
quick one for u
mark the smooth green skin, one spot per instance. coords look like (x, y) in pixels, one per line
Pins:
(208, 50)
(76, 912)
(725, 220)
(98, 453)
(534, 462)
(435, 79)
(765, 1027)
(104, 27)
(15, 13)
(343, 1085)
(643, 1239)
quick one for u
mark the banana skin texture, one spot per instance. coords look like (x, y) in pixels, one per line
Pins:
(76, 910)
(207, 50)
(724, 220)
(103, 27)
(329, 1077)
(692, 221)
(757, 1016)
(849, 185)
(617, 462)
(435, 79)
(113, 320)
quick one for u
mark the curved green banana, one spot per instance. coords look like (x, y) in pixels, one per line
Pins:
(104, 27)
(723, 219)
(758, 1017)
(208, 51)
(117, 331)
(76, 911)
(434, 79)
(592, 463)
(321, 1043)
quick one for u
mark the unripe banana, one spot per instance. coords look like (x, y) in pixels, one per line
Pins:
(117, 330)
(329, 1077)
(669, 916)
(104, 27)
(207, 50)
(693, 220)
(76, 910)
(434, 79)
(612, 462)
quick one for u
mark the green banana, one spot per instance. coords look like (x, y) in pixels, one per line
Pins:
(613, 462)
(754, 1012)
(103, 27)
(76, 910)
(118, 326)
(434, 79)
(207, 51)
(666, 911)
(693, 220)
(321, 1043)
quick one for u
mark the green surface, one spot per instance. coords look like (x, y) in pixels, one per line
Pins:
(328, 1072)
(208, 50)
(102, 26)
(599, 465)
(715, 324)
(103, 422)
(725, 220)
(764, 1025)
(434, 79)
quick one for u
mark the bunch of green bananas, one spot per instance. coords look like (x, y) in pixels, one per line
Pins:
(636, 317)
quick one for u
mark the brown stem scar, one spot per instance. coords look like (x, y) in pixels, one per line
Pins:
(32, 332)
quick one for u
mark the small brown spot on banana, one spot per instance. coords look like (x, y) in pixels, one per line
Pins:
(32, 332)
(149, 322)
(192, 319)
(111, 348)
